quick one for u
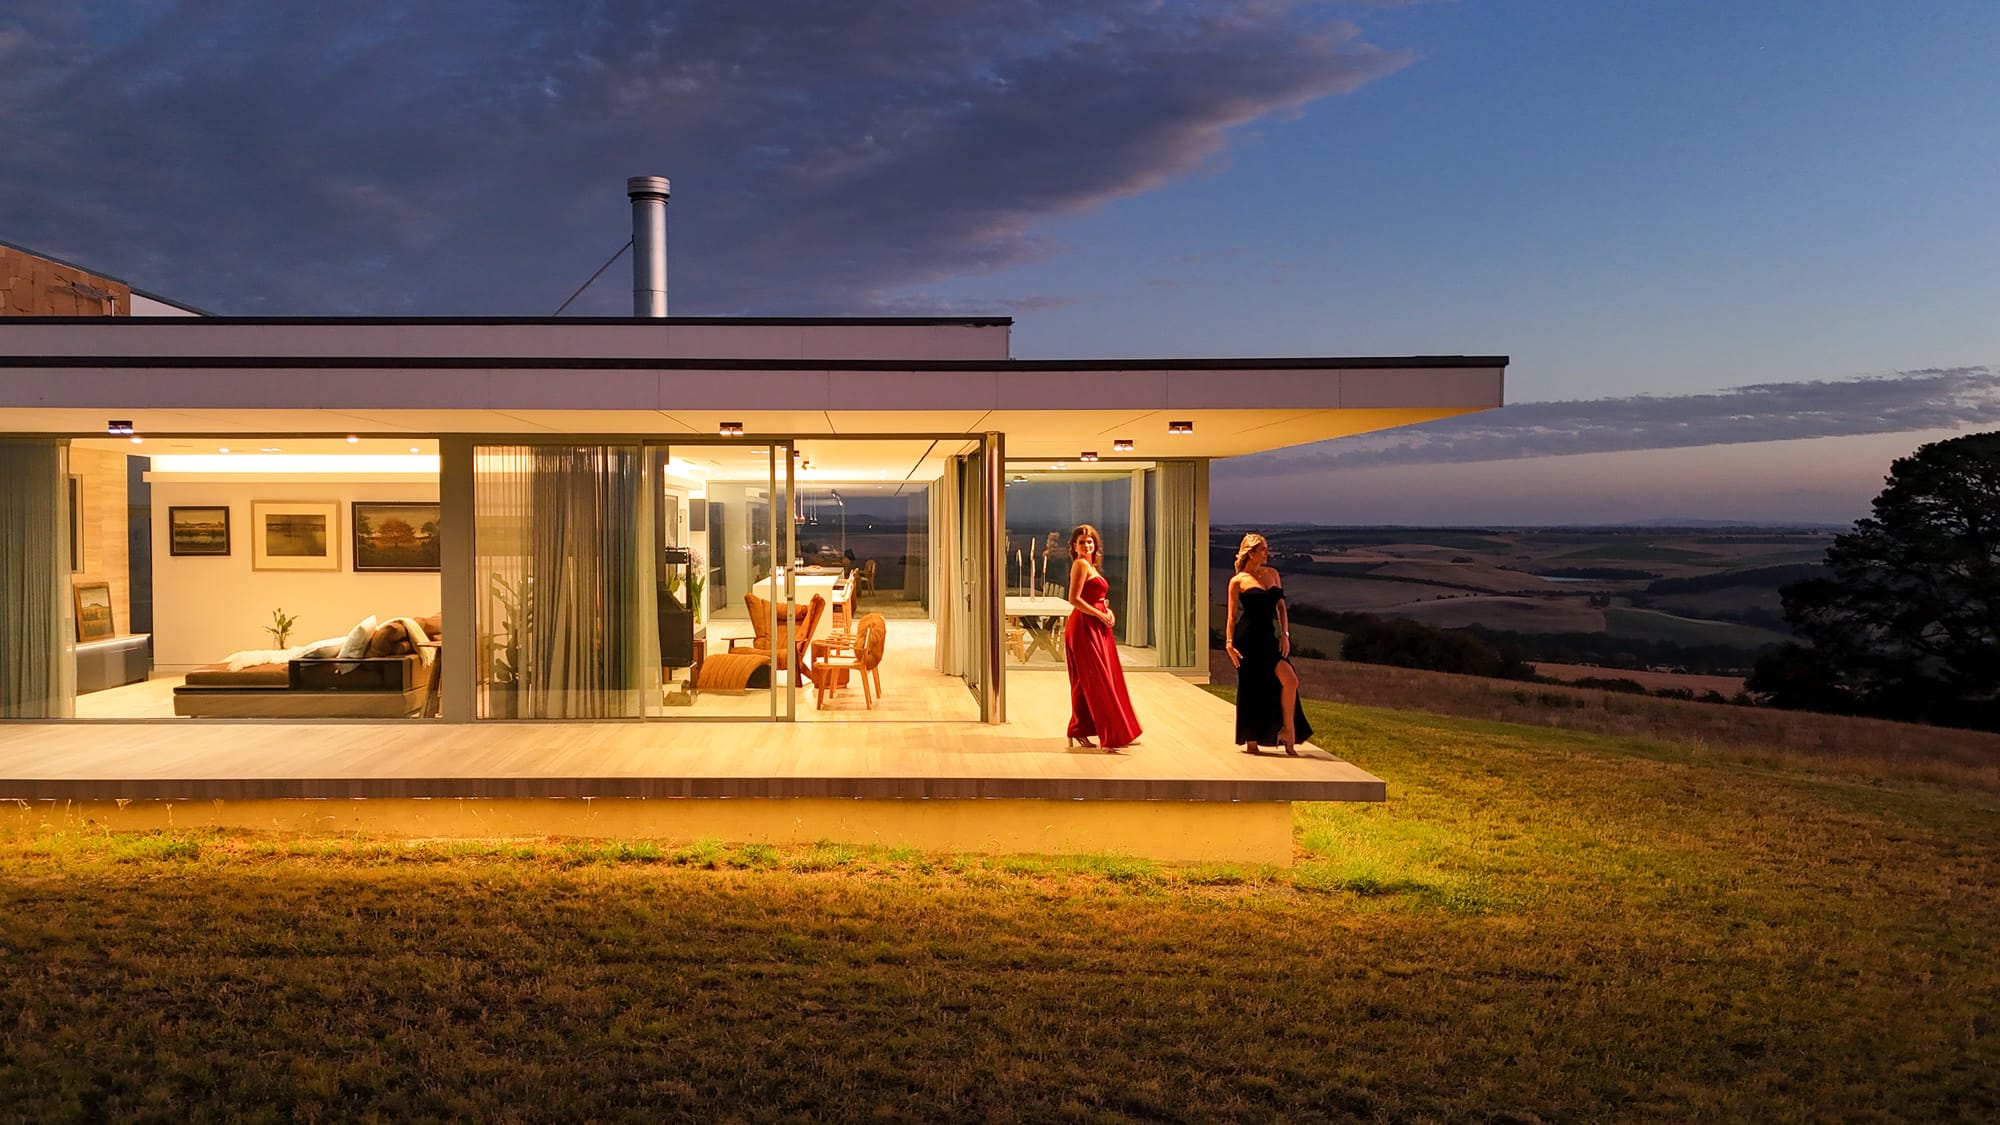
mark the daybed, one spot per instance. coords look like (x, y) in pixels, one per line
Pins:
(386, 677)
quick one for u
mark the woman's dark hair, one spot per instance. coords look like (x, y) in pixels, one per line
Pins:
(1082, 530)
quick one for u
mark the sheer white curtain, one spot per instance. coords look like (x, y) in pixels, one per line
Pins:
(37, 625)
(1138, 561)
(1173, 566)
(563, 572)
(947, 595)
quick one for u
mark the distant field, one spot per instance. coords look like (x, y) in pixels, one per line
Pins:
(1723, 602)
(1367, 595)
(1471, 576)
(1725, 686)
(1645, 624)
(1640, 552)
(1523, 615)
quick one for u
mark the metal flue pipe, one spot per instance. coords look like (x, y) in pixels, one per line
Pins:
(649, 244)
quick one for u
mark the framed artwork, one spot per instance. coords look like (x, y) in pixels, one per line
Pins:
(392, 536)
(294, 535)
(93, 612)
(198, 530)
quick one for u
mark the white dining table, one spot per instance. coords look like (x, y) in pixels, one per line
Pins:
(805, 585)
(1043, 618)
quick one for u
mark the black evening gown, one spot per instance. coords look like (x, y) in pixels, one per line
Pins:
(1259, 699)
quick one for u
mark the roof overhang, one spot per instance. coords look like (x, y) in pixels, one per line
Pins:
(681, 377)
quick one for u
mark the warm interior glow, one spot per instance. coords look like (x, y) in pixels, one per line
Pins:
(295, 463)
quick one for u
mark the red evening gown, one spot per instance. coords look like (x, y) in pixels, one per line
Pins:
(1098, 705)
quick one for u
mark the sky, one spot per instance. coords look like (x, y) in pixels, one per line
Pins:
(1741, 255)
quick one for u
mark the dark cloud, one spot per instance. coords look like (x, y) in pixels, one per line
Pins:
(459, 156)
(1927, 399)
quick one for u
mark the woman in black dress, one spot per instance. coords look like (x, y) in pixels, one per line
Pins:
(1257, 636)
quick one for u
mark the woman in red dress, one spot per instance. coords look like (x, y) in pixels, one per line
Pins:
(1098, 704)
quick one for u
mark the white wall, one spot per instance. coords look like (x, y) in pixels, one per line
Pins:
(208, 607)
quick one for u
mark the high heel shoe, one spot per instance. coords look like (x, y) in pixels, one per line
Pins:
(1072, 740)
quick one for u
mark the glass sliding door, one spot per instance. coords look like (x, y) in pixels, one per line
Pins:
(732, 615)
(563, 575)
(1152, 525)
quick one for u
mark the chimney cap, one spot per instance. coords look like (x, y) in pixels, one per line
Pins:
(641, 187)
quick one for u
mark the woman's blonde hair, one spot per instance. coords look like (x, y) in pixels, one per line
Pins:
(1251, 542)
(1082, 530)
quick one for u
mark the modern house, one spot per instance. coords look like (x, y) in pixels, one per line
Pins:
(652, 536)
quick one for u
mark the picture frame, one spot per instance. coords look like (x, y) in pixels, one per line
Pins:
(294, 535)
(198, 530)
(396, 536)
(93, 612)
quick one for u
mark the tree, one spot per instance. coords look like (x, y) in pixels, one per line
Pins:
(1906, 624)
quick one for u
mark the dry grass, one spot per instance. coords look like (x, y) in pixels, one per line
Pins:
(1867, 747)
(1537, 926)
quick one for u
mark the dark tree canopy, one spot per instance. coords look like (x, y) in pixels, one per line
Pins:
(1906, 625)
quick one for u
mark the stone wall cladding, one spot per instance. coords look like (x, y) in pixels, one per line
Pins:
(35, 286)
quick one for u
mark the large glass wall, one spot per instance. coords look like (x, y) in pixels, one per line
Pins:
(726, 605)
(1146, 514)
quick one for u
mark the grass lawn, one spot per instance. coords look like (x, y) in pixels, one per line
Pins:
(1538, 926)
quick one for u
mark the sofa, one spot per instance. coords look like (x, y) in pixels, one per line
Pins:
(382, 671)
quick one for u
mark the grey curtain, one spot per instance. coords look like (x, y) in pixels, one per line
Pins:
(37, 630)
(1173, 572)
(564, 580)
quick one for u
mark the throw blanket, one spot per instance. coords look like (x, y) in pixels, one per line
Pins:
(418, 637)
(237, 661)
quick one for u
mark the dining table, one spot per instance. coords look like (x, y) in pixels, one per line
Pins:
(1041, 618)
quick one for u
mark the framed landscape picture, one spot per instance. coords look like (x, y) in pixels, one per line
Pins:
(396, 536)
(294, 535)
(198, 531)
(93, 612)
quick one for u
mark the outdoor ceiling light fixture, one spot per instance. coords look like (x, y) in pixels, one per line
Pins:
(1122, 445)
(118, 427)
(1087, 455)
(732, 429)
(352, 439)
(1180, 427)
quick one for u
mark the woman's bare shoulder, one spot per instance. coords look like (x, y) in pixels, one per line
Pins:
(1268, 575)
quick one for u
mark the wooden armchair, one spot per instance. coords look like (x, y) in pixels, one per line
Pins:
(864, 577)
(871, 634)
(763, 624)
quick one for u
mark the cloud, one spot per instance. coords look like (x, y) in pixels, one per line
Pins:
(1926, 399)
(457, 157)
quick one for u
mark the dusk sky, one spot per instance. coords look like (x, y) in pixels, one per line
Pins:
(1743, 253)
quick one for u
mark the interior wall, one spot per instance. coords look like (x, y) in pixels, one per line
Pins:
(206, 607)
(102, 524)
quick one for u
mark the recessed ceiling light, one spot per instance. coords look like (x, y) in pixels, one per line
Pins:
(1180, 427)
(414, 449)
(1122, 445)
(351, 439)
(731, 429)
(1087, 455)
(137, 440)
(222, 449)
(269, 449)
(118, 426)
